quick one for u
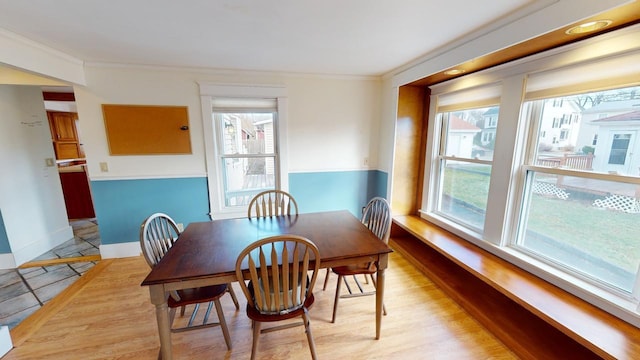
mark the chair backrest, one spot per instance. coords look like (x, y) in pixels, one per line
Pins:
(377, 217)
(278, 270)
(157, 234)
(272, 203)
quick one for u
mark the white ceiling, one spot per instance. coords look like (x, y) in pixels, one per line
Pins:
(342, 37)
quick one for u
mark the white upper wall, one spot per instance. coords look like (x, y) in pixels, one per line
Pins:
(333, 123)
(331, 120)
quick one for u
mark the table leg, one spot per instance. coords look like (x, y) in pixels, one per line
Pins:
(382, 266)
(159, 299)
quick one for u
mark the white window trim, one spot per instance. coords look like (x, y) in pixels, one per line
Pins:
(501, 219)
(208, 91)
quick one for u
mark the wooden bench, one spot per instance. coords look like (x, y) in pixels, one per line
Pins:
(534, 318)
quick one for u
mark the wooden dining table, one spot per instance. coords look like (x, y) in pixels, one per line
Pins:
(206, 252)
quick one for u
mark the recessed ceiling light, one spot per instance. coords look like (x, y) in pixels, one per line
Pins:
(588, 27)
(454, 72)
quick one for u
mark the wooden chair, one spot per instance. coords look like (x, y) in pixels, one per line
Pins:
(157, 234)
(272, 203)
(279, 287)
(377, 217)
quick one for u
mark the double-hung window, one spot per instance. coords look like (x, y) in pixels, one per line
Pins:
(552, 184)
(244, 129)
(246, 139)
(582, 202)
(466, 123)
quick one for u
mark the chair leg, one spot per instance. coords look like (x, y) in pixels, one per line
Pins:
(182, 309)
(326, 279)
(307, 326)
(196, 307)
(256, 333)
(233, 296)
(223, 323)
(335, 302)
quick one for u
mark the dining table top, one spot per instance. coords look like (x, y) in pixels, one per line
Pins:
(210, 249)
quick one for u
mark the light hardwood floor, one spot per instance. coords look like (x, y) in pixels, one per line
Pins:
(108, 315)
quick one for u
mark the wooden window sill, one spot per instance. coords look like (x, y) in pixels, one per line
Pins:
(533, 317)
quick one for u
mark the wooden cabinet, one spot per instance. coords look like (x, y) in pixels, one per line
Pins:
(65, 135)
(63, 126)
(67, 150)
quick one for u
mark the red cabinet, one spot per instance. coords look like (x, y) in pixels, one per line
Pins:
(77, 194)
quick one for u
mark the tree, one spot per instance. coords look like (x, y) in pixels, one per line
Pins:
(589, 100)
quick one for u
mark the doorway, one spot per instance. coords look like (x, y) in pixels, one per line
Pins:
(59, 103)
(52, 256)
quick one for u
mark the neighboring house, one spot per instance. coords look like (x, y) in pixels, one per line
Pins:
(559, 125)
(618, 147)
(598, 123)
(490, 123)
(460, 139)
(589, 131)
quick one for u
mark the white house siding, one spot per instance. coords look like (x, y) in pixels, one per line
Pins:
(551, 126)
(592, 126)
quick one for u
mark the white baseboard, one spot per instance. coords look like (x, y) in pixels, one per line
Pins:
(120, 250)
(5, 340)
(7, 261)
(41, 246)
(129, 249)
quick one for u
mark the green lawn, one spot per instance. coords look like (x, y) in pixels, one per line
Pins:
(470, 185)
(605, 234)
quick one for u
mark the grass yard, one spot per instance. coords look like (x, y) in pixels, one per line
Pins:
(605, 234)
(470, 184)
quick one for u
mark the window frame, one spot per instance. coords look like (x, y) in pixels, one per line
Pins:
(528, 169)
(213, 156)
(507, 187)
(223, 156)
(443, 124)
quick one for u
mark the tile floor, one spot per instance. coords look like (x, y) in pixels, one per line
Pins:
(23, 291)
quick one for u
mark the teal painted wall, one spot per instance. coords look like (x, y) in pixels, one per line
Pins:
(5, 248)
(122, 205)
(338, 190)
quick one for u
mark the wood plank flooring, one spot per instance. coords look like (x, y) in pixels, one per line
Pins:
(109, 316)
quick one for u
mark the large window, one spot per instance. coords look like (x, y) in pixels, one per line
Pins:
(552, 184)
(582, 209)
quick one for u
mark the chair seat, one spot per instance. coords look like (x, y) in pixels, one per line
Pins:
(197, 295)
(255, 315)
(355, 269)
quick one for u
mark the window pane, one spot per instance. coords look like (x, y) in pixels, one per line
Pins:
(586, 224)
(595, 131)
(465, 188)
(578, 221)
(471, 133)
(245, 177)
(619, 148)
(247, 133)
